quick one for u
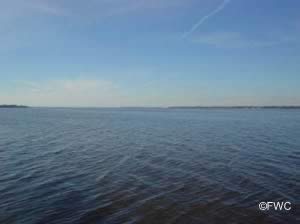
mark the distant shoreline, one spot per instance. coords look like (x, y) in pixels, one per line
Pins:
(234, 107)
(13, 106)
(180, 107)
(169, 107)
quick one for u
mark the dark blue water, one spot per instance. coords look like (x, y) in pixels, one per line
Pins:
(148, 166)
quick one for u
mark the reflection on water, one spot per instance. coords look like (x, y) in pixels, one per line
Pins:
(147, 166)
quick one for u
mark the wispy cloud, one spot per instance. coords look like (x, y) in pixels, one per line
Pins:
(15, 8)
(205, 18)
(74, 92)
(237, 40)
(47, 8)
(121, 7)
(84, 92)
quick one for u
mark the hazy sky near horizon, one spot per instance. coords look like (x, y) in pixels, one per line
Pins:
(149, 52)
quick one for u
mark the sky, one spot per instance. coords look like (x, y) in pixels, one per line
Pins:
(111, 53)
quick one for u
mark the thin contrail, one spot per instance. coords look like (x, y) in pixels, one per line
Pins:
(204, 18)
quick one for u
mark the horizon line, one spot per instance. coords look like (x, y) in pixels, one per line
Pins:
(153, 107)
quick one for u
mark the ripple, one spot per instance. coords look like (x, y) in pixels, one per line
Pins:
(147, 166)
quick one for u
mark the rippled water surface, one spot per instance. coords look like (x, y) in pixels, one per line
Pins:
(148, 165)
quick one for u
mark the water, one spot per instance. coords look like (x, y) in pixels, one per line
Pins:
(148, 165)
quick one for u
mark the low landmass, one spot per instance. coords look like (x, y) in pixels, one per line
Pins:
(13, 106)
(234, 107)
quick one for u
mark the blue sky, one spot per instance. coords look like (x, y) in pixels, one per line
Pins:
(149, 53)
